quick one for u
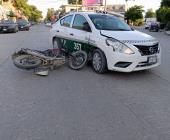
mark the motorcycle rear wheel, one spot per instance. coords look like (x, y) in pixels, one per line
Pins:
(26, 62)
(77, 60)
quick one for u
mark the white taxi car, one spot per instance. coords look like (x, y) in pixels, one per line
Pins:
(110, 43)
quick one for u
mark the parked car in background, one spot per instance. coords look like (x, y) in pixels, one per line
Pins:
(32, 23)
(23, 25)
(148, 22)
(48, 24)
(154, 26)
(8, 26)
(147, 25)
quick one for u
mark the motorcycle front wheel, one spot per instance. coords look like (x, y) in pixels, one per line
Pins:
(77, 60)
(26, 62)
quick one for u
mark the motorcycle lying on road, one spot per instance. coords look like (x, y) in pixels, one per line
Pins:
(43, 61)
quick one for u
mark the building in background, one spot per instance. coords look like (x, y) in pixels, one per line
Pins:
(8, 11)
(95, 5)
(71, 7)
(87, 3)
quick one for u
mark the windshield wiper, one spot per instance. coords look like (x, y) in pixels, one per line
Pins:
(122, 30)
(116, 29)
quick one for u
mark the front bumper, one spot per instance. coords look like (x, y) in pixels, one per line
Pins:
(7, 30)
(21, 28)
(136, 62)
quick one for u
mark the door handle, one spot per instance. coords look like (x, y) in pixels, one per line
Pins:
(57, 31)
(71, 34)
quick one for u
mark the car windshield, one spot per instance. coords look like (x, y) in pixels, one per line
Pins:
(108, 22)
(23, 22)
(7, 21)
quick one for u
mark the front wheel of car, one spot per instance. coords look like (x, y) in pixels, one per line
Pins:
(99, 62)
(15, 30)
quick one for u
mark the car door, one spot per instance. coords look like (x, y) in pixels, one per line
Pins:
(79, 33)
(61, 31)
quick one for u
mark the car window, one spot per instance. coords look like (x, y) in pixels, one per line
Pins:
(80, 22)
(22, 22)
(66, 21)
(108, 22)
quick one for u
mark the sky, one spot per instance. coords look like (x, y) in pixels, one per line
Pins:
(44, 4)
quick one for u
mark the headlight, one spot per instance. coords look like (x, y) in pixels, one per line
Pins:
(119, 47)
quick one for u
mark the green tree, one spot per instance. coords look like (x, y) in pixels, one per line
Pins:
(50, 13)
(22, 6)
(75, 1)
(163, 13)
(30, 11)
(35, 14)
(150, 14)
(165, 3)
(11, 13)
(134, 13)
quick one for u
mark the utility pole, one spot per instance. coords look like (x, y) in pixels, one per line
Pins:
(105, 5)
(76, 5)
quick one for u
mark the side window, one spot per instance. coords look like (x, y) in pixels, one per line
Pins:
(81, 23)
(66, 21)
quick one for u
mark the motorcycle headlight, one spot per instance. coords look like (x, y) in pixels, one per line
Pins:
(119, 47)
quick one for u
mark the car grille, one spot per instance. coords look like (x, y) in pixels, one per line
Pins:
(148, 50)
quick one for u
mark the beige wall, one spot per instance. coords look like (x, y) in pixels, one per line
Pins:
(69, 8)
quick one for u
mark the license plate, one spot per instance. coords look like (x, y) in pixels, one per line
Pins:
(22, 27)
(4, 29)
(152, 59)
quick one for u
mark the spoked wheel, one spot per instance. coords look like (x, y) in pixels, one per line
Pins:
(26, 62)
(77, 60)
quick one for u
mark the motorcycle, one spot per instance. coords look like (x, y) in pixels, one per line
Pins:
(43, 61)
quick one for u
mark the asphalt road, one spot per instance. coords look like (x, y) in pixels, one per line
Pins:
(81, 105)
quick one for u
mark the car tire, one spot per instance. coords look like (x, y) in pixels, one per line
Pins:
(99, 62)
(15, 30)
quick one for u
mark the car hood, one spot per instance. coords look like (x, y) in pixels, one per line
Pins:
(1, 24)
(132, 37)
